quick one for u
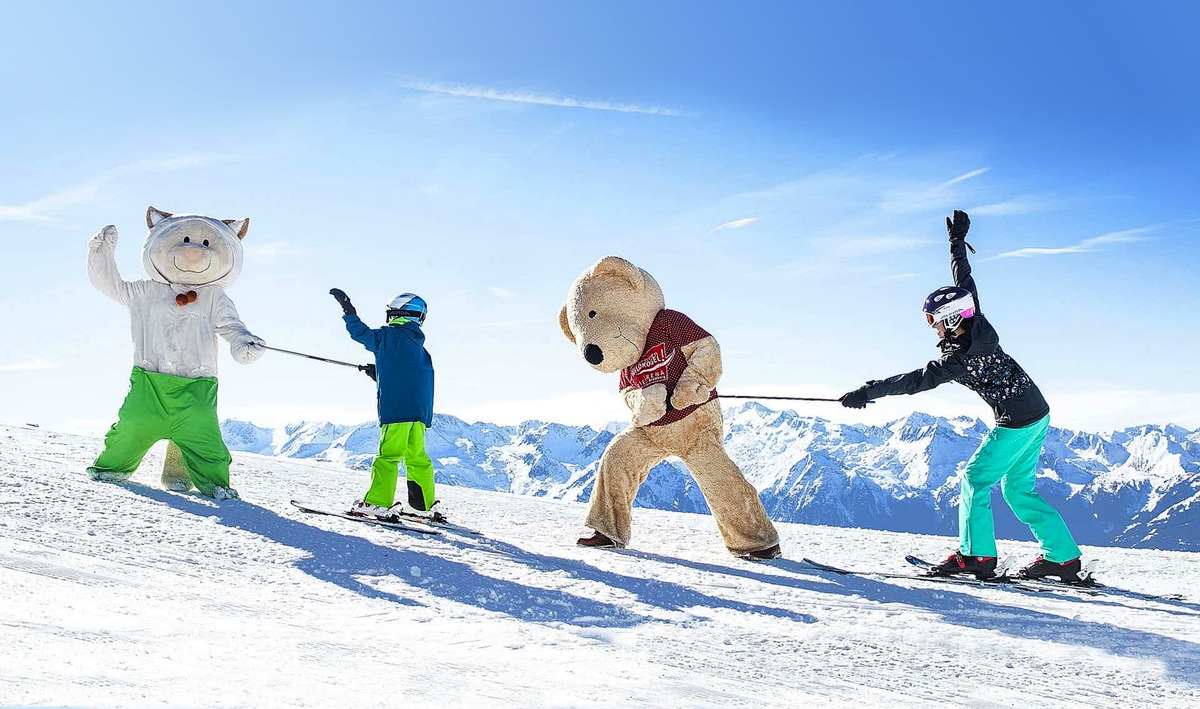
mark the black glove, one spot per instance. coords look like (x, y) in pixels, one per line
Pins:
(343, 300)
(369, 370)
(958, 225)
(856, 399)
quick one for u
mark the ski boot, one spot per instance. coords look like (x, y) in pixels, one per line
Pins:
(1067, 571)
(772, 552)
(598, 540)
(983, 567)
(433, 515)
(362, 508)
(109, 476)
(221, 494)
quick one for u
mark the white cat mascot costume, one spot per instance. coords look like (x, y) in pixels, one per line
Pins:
(175, 317)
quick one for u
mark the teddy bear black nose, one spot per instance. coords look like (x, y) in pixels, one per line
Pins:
(593, 354)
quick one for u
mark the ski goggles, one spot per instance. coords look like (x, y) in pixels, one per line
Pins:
(952, 313)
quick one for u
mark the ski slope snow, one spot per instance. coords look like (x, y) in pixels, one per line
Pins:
(125, 595)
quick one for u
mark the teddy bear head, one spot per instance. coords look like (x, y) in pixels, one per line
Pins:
(608, 313)
(193, 250)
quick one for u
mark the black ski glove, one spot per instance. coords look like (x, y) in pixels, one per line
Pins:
(856, 399)
(343, 300)
(958, 225)
(369, 370)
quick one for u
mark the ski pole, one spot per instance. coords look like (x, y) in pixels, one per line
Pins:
(319, 359)
(783, 398)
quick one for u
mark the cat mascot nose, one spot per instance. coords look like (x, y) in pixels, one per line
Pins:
(193, 254)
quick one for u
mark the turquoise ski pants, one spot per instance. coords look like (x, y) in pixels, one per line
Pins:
(1009, 456)
(402, 442)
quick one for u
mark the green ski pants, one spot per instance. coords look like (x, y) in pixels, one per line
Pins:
(1009, 456)
(181, 410)
(402, 442)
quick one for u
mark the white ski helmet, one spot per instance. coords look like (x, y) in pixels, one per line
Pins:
(408, 305)
(949, 305)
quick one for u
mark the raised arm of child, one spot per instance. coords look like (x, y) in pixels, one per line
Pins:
(960, 267)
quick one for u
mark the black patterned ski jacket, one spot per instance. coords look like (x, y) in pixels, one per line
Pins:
(976, 361)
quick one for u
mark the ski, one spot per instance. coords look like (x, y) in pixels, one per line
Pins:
(447, 526)
(1027, 584)
(1006, 582)
(400, 526)
(1039, 585)
(960, 581)
(1090, 586)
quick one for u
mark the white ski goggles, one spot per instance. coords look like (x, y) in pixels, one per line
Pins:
(952, 313)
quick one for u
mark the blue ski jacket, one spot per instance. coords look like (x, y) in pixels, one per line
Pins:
(403, 370)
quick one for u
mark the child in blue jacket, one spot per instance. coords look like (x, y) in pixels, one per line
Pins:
(403, 372)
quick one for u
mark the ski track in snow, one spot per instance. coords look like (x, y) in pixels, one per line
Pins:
(120, 595)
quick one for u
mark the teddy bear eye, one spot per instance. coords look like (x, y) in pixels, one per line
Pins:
(206, 242)
(187, 239)
(592, 314)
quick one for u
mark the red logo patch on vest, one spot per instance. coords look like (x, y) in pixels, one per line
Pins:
(652, 368)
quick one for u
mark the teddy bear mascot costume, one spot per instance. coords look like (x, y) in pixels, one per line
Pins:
(175, 317)
(616, 315)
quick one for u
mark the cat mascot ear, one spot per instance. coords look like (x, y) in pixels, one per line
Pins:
(154, 216)
(239, 226)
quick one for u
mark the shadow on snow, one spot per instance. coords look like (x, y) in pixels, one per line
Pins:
(1180, 658)
(665, 595)
(340, 558)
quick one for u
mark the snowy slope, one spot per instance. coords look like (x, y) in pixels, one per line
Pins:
(1137, 487)
(126, 595)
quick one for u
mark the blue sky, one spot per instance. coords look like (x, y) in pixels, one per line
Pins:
(784, 172)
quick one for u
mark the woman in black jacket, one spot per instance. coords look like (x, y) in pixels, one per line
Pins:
(971, 356)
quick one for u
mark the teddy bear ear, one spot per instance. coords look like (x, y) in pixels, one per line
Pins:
(617, 267)
(239, 226)
(566, 326)
(154, 216)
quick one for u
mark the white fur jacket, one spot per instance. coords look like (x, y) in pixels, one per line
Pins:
(170, 337)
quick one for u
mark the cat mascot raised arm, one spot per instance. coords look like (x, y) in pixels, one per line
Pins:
(175, 317)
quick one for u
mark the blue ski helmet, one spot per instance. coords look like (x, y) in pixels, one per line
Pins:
(949, 305)
(407, 305)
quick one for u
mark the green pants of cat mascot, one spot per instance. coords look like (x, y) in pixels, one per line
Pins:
(175, 318)
(616, 315)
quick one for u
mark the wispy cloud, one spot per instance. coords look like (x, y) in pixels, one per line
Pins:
(735, 224)
(867, 217)
(870, 246)
(1096, 243)
(928, 196)
(1018, 205)
(529, 97)
(29, 366)
(899, 277)
(501, 293)
(879, 157)
(840, 254)
(964, 177)
(818, 186)
(43, 209)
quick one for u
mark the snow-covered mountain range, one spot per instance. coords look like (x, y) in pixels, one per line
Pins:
(1139, 487)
